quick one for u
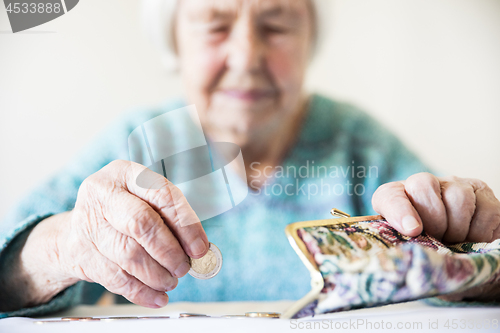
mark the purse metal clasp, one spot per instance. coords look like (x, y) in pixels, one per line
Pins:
(338, 213)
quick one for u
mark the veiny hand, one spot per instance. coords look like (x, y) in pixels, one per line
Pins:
(131, 240)
(451, 209)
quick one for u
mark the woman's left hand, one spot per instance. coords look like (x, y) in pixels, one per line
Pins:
(451, 209)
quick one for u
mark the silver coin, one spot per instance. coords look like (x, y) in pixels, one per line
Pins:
(76, 318)
(188, 315)
(79, 319)
(117, 318)
(207, 266)
(155, 317)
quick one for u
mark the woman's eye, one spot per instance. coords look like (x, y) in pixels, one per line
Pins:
(219, 29)
(273, 29)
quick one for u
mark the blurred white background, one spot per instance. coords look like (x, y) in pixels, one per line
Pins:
(428, 69)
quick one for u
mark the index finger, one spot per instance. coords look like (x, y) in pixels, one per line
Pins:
(391, 201)
(166, 199)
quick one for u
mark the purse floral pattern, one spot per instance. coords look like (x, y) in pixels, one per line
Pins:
(369, 263)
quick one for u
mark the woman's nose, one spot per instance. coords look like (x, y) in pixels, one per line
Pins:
(246, 50)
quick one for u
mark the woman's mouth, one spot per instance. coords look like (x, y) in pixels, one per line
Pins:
(251, 95)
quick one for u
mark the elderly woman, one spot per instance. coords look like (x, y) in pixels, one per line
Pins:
(242, 64)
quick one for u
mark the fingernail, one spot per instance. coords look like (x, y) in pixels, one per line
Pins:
(198, 246)
(409, 223)
(182, 269)
(162, 300)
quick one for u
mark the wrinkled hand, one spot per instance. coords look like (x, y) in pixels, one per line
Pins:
(131, 240)
(451, 209)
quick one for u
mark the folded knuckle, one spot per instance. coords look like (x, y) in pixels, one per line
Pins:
(481, 184)
(469, 205)
(459, 194)
(162, 197)
(120, 281)
(152, 181)
(414, 186)
(384, 189)
(131, 252)
(135, 294)
(172, 257)
(495, 219)
(98, 186)
(383, 196)
(89, 184)
(140, 224)
(174, 253)
(422, 183)
(421, 177)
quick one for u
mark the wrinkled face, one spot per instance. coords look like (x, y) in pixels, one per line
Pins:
(243, 63)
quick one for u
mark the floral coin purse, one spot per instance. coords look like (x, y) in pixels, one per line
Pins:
(362, 261)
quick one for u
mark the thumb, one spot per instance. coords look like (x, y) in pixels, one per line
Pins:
(390, 201)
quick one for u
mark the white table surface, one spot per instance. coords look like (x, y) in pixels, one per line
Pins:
(409, 317)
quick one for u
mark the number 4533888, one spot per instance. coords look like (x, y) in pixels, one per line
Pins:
(471, 324)
(32, 7)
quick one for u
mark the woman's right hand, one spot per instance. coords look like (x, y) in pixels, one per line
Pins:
(132, 240)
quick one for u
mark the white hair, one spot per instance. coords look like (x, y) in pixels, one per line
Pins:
(157, 17)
